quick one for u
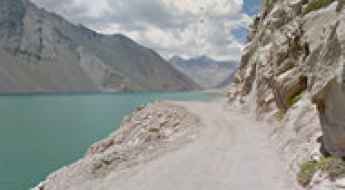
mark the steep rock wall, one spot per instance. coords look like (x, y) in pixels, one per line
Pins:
(293, 70)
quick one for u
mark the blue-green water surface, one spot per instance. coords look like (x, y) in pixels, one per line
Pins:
(41, 133)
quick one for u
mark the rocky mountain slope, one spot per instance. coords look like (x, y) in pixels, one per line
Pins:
(205, 71)
(292, 74)
(42, 52)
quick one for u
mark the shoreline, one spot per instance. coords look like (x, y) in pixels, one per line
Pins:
(206, 131)
(93, 93)
(158, 128)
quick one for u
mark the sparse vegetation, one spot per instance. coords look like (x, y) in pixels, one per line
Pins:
(153, 130)
(279, 115)
(269, 4)
(332, 166)
(294, 99)
(306, 173)
(317, 4)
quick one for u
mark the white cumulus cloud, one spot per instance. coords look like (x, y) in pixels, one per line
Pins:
(171, 27)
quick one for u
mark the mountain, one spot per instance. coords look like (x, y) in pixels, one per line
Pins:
(227, 81)
(42, 52)
(292, 74)
(205, 71)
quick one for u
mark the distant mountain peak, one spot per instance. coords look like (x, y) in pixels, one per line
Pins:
(203, 59)
(197, 59)
(176, 58)
(206, 71)
(121, 36)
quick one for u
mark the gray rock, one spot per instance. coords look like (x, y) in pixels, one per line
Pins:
(42, 52)
(299, 60)
(340, 183)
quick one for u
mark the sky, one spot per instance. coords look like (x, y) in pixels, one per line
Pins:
(188, 28)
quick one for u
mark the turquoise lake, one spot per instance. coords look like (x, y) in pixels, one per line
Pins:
(42, 133)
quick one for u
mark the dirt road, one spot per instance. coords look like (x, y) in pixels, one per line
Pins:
(233, 152)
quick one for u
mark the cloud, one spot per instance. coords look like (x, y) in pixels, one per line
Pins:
(171, 27)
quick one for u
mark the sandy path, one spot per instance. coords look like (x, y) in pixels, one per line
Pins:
(233, 152)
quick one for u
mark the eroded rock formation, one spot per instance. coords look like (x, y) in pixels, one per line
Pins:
(293, 70)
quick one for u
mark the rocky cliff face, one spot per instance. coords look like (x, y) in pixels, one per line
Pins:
(42, 52)
(205, 71)
(292, 73)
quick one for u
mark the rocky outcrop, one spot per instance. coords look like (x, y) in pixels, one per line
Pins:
(144, 135)
(328, 92)
(292, 70)
(42, 52)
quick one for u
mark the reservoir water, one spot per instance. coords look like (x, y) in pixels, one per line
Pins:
(42, 133)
